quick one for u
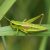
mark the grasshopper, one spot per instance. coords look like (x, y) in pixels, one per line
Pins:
(27, 25)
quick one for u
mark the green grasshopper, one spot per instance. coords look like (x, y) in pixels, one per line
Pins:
(27, 25)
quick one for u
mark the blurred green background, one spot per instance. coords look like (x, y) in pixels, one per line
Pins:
(20, 10)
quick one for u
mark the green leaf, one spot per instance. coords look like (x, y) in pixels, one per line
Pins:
(8, 31)
(7, 4)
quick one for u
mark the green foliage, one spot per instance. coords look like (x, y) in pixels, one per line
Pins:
(43, 43)
(24, 9)
(6, 5)
(17, 9)
(5, 31)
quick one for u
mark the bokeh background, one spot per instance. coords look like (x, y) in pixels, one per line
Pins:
(20, 10)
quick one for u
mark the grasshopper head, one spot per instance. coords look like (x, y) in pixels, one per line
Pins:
(15, 24)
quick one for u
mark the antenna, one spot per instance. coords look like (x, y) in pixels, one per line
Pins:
(7, 19)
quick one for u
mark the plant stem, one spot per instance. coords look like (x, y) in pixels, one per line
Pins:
(4, 43)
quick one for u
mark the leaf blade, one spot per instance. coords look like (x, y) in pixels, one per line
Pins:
(8, 31)
(5, 7)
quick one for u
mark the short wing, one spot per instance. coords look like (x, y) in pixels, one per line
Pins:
(36, 28)
(33, 28)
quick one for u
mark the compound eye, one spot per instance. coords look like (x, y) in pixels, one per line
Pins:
(13, 24)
